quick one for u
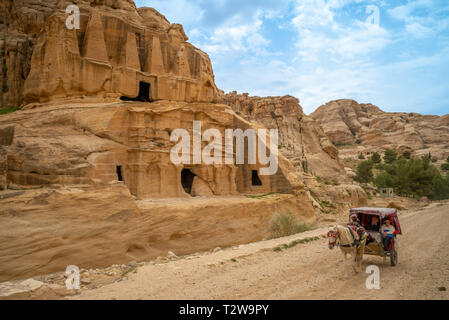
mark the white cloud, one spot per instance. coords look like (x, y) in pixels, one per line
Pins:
(324, 53)
(320, 33)
(418, 30)
(236, 39)
(176, 11)
(422, 18)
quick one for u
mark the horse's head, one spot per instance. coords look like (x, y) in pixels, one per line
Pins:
(332, 236)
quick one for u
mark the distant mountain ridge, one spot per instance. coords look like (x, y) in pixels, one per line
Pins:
(348, 122)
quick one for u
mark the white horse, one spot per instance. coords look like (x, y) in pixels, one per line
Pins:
(346, 238)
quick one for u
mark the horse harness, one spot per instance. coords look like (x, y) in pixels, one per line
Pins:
(354, 243)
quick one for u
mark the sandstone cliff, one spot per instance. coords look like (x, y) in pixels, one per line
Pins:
(367, 129)
(20, 23)
(88, 154)
(301, 139)
(119, 44)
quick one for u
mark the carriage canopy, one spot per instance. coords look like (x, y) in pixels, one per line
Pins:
(364, 215)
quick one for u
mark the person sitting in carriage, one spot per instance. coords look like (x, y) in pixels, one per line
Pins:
(374, 225)
(388, 231)
(355, 225)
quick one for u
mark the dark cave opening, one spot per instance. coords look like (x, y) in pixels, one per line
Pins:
(144, 93)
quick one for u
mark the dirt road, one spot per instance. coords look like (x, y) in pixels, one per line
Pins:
(305, 271)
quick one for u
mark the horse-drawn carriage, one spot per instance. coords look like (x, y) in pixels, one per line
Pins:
(371, 220)
(352, 240)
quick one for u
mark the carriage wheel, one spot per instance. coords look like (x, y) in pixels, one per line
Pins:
(394, 257)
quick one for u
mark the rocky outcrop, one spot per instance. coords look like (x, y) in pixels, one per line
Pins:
(98, 185)
(347, 122)
(45, 230)
(118, 51)
(301, 139)
(91, 147)
(20, 23)
(79, 143)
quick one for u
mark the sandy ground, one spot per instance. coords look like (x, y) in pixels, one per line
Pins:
(305, 271)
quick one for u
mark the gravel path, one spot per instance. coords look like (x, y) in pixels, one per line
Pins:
(307, 270)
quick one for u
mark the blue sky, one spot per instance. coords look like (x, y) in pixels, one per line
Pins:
(394, 54)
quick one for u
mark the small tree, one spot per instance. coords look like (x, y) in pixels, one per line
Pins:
(390, 156)
(407, 154)
(364, 171)
(447, 160)
(361, 156)
(376, 158)
(384, 180)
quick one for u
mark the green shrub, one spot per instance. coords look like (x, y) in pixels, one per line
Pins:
(380, 166)
(390, 156)
(261, 196)
(305, 166)
(415, 177)
(376, 158)
(440, 188)
(364, 171)
(361, 156)
(445, 166)
(332, 182)
(325, 203)
(285, 224)
(384, 180)
(407, 154)
(434, 159)
(8, 110)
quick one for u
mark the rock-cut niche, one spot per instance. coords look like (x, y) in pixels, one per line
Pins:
(144, 93)
(187, 180)
(255, 178)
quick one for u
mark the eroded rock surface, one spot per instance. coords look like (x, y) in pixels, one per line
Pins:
(347, 122)
(119, 51)
(301, 139)
(89, 151)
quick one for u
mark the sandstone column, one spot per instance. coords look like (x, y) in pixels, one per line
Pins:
(94, 45)
(156, 64)
(132, 56)
(182, 63)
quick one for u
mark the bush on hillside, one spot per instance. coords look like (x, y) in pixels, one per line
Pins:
(417, 177)
(390, 156)
(285, 224)
(364, 171)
